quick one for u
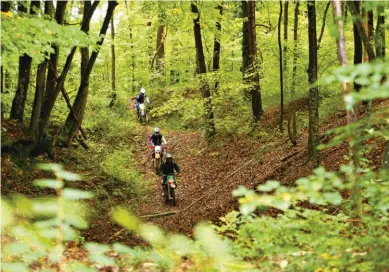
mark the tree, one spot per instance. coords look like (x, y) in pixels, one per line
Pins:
(313, 138)
(113, 66)
(19, 101)
(358, 49)
(51, 94)
(201, 67)
(380, 32)
(360, 29)
(39, 86)
(161, 34)
(295, 46)
(285, 48)
(76, 115)
(281, 69)
(256, 100)
(216, 48)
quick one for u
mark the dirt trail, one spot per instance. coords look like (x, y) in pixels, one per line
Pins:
(212, 173)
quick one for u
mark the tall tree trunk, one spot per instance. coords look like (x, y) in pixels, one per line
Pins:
(281, 69)
(40, 86)
(323, 25)
(380, 32)
(216, 49)
(132, 51)
(75, 117)
(256, 100)
(210, 127)
(358, 49)
(113, 70)
(285, 50)
(51, 96)
(160, 53)
(19, 101)
(245, 40)
(370, 29)
(313, 139)
(359, 26)
(295, 46)
(49, 93)
(351, 116)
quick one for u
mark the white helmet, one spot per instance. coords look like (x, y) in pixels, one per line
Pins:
(142, 90)
(156, 129)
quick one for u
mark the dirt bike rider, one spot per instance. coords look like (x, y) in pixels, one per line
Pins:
(167, 168)
(156, 139)
(140, 99)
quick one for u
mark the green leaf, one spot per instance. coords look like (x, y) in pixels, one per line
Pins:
(69, 176)
(269, 186)
(16, 248)
(13, 267)
(6, 215)
(97, 248)
(49, 183)
(74, 194)
(126, 219)
(49, 167)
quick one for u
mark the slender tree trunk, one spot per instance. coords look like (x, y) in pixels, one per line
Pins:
(358, 49)
(216, 49)
(313, 139)
(113, 71)
(19, 101)
(361, 31)
(351, 116)
(281, 69)
(40, 86)
(323, 25)
(285, 50)
(245, 41)
(49, 93)
(256, 100)
(210, 128)
(75, 117)
(132, 52)
(160, 49)
(370, 29)
(380, 32)
(51, 96)
(295, 46)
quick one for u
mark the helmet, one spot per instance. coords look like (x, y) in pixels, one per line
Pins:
(169, 156)
(143, 90)
(156, 129)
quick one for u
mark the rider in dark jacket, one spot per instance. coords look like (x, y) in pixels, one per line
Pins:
(168, 168)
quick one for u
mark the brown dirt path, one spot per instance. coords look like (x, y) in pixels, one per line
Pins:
(212, 173)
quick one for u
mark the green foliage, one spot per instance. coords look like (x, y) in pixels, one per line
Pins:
(35, 36)
(36, 229)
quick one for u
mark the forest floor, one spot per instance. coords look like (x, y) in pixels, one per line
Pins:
(208, 176)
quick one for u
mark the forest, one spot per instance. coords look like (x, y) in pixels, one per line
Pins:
(194, 135)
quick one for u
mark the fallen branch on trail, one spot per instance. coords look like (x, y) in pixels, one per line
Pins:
(154, 215)
(292, 155)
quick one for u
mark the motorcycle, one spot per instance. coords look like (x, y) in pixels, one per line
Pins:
(170, 190)
(157, 157)
(142, 113)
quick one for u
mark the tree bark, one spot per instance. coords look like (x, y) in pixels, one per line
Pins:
(51, 95)
(281, 69)
(313, 139)
(361, 31)
(113, 67)
(206, 94)
(358, 49)
(323, 25)
(380, 32)
(73, 121)
(160, 54)
(19, 101)
(285, 49)
(245, 41)
(256, 100)
(39, 86)
(295, 47)
(216, 49)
